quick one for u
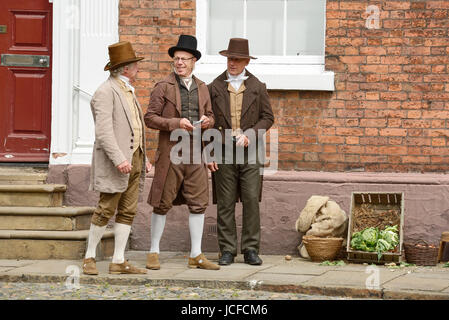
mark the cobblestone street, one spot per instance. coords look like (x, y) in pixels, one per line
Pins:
(57, 291)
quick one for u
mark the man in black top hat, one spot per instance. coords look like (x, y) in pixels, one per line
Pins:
(178, 102)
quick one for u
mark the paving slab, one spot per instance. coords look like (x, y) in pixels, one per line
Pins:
(222, 274)
(276, 278)
(413, 282)
(16, 263)
(351, 278)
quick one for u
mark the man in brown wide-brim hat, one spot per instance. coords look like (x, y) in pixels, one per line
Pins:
(241, 105)
(118, 159)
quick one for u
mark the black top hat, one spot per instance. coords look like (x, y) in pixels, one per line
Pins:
(186, 43)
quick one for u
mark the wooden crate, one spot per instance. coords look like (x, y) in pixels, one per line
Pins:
(380, 203)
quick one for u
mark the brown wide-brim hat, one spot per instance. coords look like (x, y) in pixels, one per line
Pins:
(237, 48)
(120, 54)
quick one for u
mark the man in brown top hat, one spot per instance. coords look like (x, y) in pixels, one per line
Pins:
(179, 102)
(241, 106)
(118, 161)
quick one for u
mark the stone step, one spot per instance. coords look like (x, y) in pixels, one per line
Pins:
(46, 195)
(22, 175)
(43, 245)
(46, 218)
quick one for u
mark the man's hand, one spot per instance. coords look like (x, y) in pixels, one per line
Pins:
(148, 167)
(206, 122)
(185, 124)
(213, 166)
(242, 141)
(125, 167)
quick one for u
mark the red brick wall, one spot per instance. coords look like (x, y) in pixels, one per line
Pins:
(389, 111)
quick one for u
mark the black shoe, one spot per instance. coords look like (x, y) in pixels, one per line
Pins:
(226, 259)
(252, 258)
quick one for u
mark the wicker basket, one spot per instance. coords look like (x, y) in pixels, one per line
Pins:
(421, 253)
(322, 249)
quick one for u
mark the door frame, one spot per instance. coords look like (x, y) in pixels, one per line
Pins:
(79, 55)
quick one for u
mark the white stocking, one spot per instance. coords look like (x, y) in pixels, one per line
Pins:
(157, 228)
(196, 224)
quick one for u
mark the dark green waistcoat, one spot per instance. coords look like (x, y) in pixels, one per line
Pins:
(189, 100)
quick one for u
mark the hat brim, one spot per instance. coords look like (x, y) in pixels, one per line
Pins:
(196, 53)
(229, 54)
(108, 66)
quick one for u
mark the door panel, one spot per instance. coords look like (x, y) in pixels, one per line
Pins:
(25, 71)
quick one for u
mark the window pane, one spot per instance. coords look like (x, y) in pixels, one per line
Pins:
(265, 26)
(305, 27)
(225, 22)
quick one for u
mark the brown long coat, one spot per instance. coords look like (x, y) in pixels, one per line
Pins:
(113, 139)
(164, 114)
(256, 109)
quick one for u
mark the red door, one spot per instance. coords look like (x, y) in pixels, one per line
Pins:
(25, 80)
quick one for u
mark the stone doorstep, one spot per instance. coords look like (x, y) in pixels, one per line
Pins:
(23, 178)
(44, 245)
(46, 188)
(45, 218)
(45, 195)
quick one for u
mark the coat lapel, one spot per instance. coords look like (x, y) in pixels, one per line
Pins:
(115, 86)
(201, 98)
(249, 94)
(173, 94)
(224, 104)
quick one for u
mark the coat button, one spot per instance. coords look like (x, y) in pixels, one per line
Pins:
(132, 147)
(220, 128)
(132, 140)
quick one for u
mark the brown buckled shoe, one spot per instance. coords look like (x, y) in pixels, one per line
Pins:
(90, 267)
(125, 268)
(201, 262)
(153, 261)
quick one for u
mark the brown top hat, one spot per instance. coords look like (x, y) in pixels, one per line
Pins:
(237, 48)
(120, 54)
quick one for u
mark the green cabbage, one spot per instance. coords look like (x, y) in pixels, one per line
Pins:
(370, 236)
(373, 240)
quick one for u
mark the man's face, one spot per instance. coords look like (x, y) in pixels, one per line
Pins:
(130, 71)
(184, 63)
(237, 65)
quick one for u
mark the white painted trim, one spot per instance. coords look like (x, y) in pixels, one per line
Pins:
(278, 72)
(277, 77)
(82, 29)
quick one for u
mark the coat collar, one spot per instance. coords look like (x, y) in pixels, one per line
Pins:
(249, 94)
(173, 93)
(116, 87)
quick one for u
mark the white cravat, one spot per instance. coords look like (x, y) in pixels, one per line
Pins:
(236, 81)
(127, 83)
(187, 81)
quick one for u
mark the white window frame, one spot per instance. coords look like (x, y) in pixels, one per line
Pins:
(278, 72)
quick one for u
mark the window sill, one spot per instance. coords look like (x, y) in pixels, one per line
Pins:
(276, 76)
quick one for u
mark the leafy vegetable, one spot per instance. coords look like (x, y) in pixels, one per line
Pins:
(370, 236)
(373, 240)
(332, 263)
